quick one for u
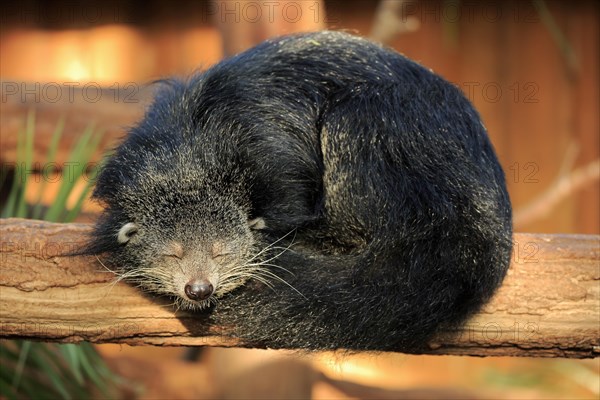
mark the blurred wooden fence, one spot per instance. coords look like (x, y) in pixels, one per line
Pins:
(530, 67)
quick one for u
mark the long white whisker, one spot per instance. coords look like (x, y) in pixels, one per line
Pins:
(269, 274)
(105, 267)
(269, 246)
(274, 266)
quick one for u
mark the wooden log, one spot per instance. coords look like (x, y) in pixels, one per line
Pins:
(548, 306)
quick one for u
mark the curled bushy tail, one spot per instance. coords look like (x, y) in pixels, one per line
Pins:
(377, 300)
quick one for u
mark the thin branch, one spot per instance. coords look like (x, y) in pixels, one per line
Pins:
(564, 186)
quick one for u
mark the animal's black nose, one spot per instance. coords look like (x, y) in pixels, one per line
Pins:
(198, 289)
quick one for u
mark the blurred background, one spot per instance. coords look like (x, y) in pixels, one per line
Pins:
(530, 67)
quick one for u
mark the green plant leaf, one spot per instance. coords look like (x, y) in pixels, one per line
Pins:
(72, 356)
(46, 370)
(74, 168)
(46, 361)
(27, 159)
(73, 212)
(21, 364)
(9, 209)
(50, 159)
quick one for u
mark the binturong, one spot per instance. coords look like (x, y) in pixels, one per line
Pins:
(317, 191)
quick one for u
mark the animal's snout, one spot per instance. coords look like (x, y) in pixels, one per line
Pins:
(199, 289)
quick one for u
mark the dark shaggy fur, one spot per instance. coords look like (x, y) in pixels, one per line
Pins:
(378, 210)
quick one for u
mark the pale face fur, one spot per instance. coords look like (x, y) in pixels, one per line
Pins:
(187, 234)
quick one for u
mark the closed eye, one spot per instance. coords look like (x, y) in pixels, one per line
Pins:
(221, 256)
(177, 256)
(221, 249)
(173, 250)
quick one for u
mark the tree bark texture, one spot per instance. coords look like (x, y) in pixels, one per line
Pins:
(548, 305)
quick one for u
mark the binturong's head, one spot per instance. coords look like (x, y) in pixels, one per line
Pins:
(174, 229)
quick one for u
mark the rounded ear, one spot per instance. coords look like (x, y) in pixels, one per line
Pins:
(126, 232)
(257, 223)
